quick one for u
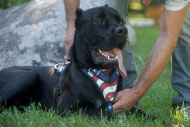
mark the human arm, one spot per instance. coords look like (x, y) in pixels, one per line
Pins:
(170, 26)
(70, 8)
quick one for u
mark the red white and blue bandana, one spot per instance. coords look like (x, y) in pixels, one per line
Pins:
(108, 88)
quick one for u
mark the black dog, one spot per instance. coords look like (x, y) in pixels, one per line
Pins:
(89, 82)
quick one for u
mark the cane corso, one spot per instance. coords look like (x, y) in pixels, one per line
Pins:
(89, 82)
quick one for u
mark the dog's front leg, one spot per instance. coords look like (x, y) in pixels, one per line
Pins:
(99, 113)
(66, 104)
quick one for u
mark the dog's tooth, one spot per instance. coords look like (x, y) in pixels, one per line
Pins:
(102, 53)
(99, 51)
(116, 57)
(113, 59)
(108, 57)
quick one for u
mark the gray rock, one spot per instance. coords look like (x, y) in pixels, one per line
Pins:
(33, 33)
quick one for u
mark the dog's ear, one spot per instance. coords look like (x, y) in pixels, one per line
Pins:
(106, 5)
(78, 15)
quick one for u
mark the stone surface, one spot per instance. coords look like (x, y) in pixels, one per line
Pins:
(33, 33)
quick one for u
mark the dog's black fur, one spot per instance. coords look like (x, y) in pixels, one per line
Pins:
(96, 28)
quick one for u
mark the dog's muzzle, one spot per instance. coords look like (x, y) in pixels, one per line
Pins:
(121, 31)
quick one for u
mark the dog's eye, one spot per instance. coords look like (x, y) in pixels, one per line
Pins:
(121, 22)
(98, 21)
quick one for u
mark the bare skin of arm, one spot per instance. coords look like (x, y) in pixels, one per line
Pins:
(70, 8)
(170, 26)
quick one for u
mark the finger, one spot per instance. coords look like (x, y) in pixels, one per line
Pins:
(120, 109)
(117, 105)
(146, 2)
(117, 111)
(118, 96)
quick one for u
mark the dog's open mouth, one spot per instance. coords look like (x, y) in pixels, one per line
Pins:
(110, 59)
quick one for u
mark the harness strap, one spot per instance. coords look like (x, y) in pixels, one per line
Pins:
(103, 76)
(59, 68)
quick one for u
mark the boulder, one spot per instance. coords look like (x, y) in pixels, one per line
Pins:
(33, 33)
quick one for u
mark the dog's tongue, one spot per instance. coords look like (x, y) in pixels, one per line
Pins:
(121, 68)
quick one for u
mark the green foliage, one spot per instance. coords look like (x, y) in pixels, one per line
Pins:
(9, 3)
(180, 117)
(157, 102)
(138, 6)
(136, 15)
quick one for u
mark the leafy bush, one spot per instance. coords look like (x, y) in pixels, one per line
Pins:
(9, 3)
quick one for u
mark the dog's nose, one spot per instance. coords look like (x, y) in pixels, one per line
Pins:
(121, 31)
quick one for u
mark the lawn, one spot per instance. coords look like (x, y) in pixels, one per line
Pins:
(156, 102)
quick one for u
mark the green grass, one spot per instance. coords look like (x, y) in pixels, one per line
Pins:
(156, 102)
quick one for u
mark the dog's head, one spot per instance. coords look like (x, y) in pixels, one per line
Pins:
(100, 36)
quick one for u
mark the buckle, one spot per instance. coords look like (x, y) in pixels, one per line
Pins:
(110, 107)
(56, 67)
(116, 71)
(59, 67)
(98, 73)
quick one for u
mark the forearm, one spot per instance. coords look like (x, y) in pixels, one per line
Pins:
(170, 26)
(70, 9)
(157, 62)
